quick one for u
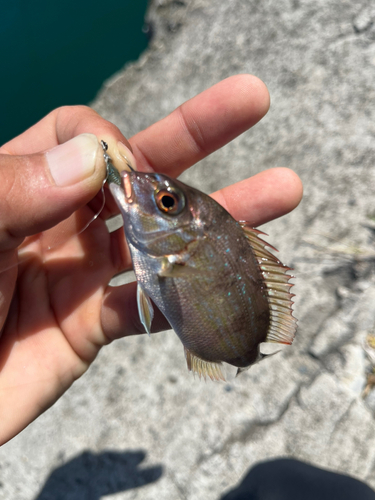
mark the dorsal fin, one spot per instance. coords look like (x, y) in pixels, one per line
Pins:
(203, 368)
(283, 325)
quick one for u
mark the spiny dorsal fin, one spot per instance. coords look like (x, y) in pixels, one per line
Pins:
(283, 325)
(203, 368)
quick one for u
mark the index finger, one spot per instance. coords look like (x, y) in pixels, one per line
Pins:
(201, 125)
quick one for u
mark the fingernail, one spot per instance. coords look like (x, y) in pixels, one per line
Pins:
(73, 161)
(127, 155)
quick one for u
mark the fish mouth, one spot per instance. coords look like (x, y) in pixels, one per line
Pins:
(128, 186)
(128, 181)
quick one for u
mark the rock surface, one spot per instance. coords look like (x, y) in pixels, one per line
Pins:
(137, 425)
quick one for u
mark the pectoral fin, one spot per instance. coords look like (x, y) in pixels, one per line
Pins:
(172, 269)
(179, 265)
(145, 309)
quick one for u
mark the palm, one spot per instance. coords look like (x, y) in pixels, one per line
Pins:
(54, 324)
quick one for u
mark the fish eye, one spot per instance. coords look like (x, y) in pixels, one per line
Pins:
(170, 200)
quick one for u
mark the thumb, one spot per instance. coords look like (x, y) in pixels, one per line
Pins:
(40, 190)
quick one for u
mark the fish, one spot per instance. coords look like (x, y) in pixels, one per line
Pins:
(221, 290)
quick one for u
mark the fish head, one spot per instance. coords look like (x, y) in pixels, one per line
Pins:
(161, 215)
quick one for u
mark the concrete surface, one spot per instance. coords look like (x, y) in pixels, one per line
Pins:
(137, 425)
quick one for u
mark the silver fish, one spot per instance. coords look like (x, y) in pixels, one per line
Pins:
(222, 292)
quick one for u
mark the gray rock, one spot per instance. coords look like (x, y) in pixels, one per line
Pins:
(318, 61)
(370, 401)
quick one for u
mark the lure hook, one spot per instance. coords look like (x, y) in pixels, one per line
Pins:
(113, 175)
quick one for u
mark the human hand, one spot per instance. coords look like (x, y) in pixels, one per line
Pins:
(56, 308)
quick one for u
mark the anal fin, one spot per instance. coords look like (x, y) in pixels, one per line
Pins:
(203, 368)
(145, 308)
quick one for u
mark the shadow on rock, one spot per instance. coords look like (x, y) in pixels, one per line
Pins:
(287, 479)
(90, 476)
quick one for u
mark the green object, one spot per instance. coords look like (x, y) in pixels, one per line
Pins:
(59, 53)
(113, 175)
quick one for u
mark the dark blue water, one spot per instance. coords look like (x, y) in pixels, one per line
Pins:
(55, 53)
